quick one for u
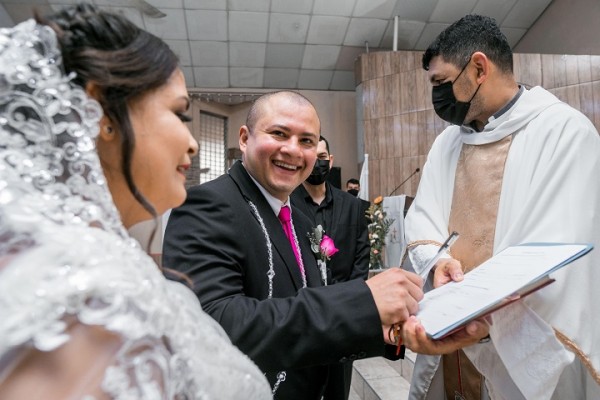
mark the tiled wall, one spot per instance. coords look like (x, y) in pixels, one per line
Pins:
(400, 125)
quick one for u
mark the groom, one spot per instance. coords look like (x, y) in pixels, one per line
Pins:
(265, 288)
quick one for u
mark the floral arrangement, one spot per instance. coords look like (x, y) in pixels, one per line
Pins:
(323, 248)
(378, 227)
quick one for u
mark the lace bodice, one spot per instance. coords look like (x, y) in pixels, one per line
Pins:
(65, 257)
(111, 283)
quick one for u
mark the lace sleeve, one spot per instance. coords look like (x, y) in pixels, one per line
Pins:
(93, 364)
(167, 347)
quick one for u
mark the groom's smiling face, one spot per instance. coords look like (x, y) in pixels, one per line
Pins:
(281, 149)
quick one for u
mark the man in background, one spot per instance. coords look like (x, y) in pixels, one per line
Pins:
(353, 186)
(342, 217)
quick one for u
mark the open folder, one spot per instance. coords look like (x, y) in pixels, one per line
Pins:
(509, 275)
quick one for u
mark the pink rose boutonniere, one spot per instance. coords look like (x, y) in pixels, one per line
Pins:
(323, 248)
(327, 247)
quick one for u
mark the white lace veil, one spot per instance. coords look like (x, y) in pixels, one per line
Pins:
(65, 253)
(49, 169)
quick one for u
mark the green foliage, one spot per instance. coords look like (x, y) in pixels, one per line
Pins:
(379, 225)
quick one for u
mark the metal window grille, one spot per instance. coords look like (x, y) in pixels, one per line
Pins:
(212, 146)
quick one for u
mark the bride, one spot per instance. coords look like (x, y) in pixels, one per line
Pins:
(92, 141)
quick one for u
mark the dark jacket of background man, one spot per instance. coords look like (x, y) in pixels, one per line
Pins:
(343, 219)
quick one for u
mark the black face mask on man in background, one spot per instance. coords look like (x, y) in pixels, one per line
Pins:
(319, 172)
(353, 192)
(445, 104)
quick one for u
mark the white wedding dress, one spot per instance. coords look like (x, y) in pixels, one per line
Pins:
(68, 266)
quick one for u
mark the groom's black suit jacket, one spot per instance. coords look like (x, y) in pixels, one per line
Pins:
(218, 242)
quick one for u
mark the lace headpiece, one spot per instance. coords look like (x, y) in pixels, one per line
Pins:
(49, 170)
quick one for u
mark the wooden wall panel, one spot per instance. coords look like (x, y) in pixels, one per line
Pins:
(371, 144)
(422, 92)
(560, 92)
(429, 127)
(389, 176)
(571, 69)
(391, 93)
(595, 67)
(374, 176)
(596, 96)
(408, 86)
(399, 122)
(586, 100)
(366, 100)
(397, 135)
(398, 171)
(413, 133)
(548, 71)
(406, 61)
(388, 137)
(573, 96)
(383, 175)
(378, 98)
(560, 71)
(405, 134)
(584, 69)
(527, 69)
(379, 127)
(421, 124)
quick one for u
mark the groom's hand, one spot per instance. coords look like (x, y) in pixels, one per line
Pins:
(396, 293)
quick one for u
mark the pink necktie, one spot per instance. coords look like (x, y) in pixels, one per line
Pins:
(284, 217)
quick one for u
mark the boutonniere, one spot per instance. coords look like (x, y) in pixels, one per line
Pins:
(323, 248)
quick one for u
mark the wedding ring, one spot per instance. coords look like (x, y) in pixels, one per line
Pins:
(485, 339)
(394, 333)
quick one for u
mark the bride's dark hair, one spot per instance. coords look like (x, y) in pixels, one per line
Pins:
(120, 59)
(123, 62)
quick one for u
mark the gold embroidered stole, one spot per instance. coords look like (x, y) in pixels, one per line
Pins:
(477, 187)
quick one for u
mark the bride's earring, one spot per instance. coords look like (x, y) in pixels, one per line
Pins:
(107, 132)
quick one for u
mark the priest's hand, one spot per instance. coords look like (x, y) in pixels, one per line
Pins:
(415, 338)
(447, 270)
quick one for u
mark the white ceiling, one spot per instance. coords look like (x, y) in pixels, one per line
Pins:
(292, 44)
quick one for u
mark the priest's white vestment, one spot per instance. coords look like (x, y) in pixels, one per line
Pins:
(550, 192)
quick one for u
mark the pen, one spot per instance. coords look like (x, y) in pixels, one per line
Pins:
(445, 246)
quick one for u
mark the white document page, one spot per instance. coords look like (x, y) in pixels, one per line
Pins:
(449, 306)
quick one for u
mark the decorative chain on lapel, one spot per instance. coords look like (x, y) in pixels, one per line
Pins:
(271, 273)
(281, 375)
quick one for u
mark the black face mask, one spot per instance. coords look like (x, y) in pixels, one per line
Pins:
(319, 172)
(353, 192)
(445, 104)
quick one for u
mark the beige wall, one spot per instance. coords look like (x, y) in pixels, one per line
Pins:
(565, 27)
(337, 111)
